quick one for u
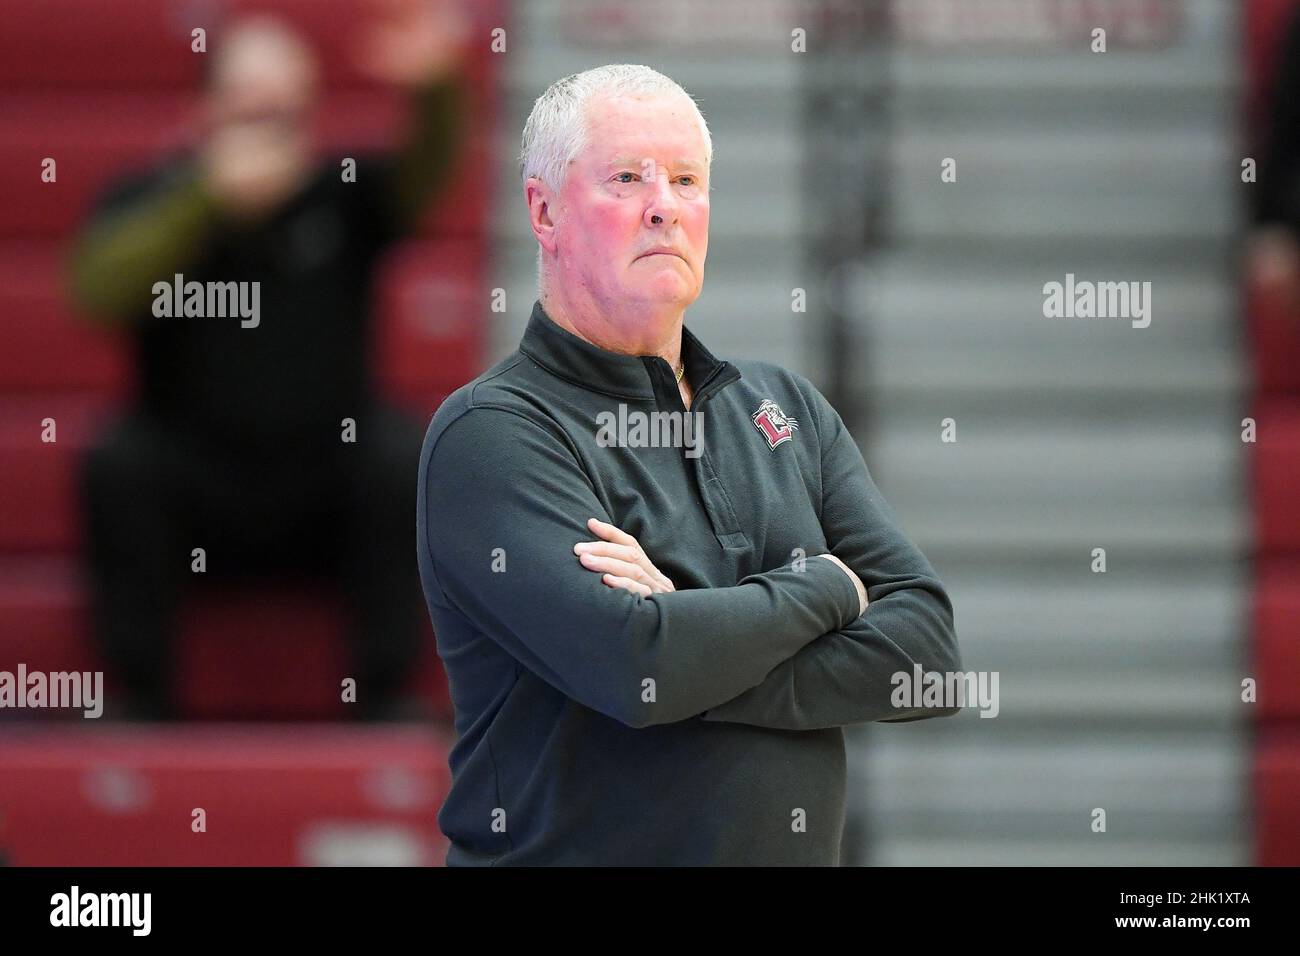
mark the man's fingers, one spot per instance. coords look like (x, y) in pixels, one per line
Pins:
(607, 548)
(625, 569)
(616, 535)
(627, 584)
(611, 533)
(622, 552)
(621, 546)
(632, 556)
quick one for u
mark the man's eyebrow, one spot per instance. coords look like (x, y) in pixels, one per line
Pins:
(638, 160)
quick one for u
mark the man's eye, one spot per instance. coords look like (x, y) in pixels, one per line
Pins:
(691, 178)
(620, 178)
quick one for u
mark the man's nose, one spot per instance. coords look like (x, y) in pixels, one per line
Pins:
(663, 205)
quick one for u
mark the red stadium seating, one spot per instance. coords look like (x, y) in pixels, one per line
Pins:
(272, 652)
(42, 347)
(38, 499)
(1276, 787)
(92, 140)
(295, 636)
(1276, 627)
(1274, 338)
(146, 44)
(271, 795)
(116, 94)
(42, 615)
(431, 336)
(1275, 457)
(40, 50)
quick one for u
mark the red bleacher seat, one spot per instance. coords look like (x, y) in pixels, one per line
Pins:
(1274, 340)
(272, 796)
(271, 652)
(1276, 786)
(1274, 335)
(42, 615)
(1276, 629)
(432, 307)
(1274, 459)
(38, 499)
(80, 44)
(92, 139)
(146, 44)
(42, 347)
(279, 653)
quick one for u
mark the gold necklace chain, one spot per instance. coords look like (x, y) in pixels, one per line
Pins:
(681, 370)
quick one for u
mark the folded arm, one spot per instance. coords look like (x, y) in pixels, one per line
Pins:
(495, 479)
(844, 677)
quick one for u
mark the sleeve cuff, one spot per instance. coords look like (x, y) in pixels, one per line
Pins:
(850, 606)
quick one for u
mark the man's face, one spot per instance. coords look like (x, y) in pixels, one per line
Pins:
(265, 83)
(645, 158)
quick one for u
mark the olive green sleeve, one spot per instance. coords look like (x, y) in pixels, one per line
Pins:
(431, 150)
(129, 245)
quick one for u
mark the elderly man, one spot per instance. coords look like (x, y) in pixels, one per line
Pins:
(653, 646)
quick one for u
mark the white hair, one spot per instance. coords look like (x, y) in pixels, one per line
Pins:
(556, 130)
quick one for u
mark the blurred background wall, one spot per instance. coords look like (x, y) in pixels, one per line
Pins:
(1122, 690)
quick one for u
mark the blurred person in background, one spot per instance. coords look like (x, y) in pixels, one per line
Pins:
(1274, 251)
(234, 442)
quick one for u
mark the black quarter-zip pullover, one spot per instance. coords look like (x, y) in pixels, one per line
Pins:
(697, 727)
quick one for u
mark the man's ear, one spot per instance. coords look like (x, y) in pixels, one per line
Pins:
(540, 198)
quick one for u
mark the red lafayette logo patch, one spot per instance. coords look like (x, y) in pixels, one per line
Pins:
(775, 425)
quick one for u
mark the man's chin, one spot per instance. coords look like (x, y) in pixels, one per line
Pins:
(666, 294)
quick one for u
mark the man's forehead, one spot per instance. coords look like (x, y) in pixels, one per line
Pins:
(632, 159)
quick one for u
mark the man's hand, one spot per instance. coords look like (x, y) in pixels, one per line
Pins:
(621, 558)
(412, 41)
(857, 582)
(626, 566)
